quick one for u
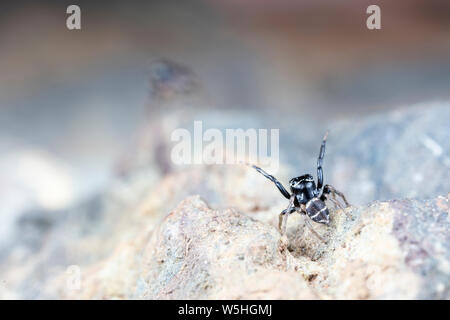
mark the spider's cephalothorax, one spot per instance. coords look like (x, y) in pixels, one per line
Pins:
(306, 193)
(306, 197)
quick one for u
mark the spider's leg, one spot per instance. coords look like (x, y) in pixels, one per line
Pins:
(333, 192)
(319, 162)
(336, 203)
(313, 231)
(280, 187)
(282, 220)
(302, 210)
(330, 190)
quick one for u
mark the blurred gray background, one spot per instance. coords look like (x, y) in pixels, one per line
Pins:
(70, 101)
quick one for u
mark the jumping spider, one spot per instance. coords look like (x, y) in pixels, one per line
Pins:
(306, 197)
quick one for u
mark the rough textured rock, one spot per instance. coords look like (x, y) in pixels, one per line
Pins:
(376, 252)
(120, 238)
(200, 253)
(395, 249)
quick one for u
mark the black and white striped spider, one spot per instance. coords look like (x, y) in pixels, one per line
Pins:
(306, 197)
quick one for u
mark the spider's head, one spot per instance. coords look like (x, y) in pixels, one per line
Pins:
(302, 183)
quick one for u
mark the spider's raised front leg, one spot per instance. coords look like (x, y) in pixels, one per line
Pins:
(319, 162)
(280, 187)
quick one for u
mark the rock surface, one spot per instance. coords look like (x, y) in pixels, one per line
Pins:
(384, 250)
(381, 251)
(206, 232)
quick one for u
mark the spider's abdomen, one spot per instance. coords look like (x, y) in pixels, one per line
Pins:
(317, 211)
